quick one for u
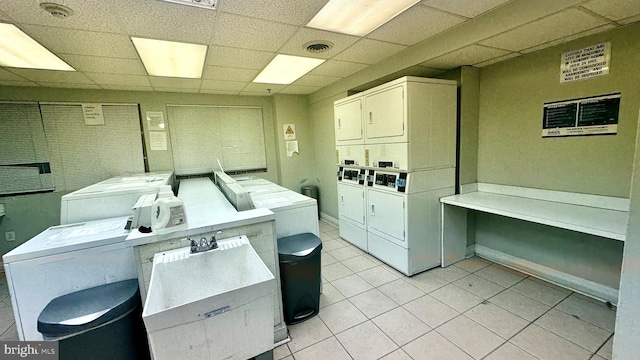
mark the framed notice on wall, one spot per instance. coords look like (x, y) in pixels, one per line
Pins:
(585, 63)
(587, 116)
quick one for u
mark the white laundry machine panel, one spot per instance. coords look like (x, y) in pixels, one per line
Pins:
(295, 213)
(110, 198)
(352, 206)
(387, 216)
(64, 259)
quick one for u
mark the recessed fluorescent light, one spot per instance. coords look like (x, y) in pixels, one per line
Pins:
(357, 17)
(19, 50)
(173, 59)
(285, 69)
(207, 4)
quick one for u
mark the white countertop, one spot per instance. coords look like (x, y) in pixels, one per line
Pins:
(586, 219)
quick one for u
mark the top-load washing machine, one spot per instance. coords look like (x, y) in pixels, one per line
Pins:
(110, 198)
(65, 259)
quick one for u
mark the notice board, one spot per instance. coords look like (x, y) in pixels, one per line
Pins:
(587, 116)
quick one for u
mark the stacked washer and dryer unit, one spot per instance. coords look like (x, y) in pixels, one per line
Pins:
(396, 154)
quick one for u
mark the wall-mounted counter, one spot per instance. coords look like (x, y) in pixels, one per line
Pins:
(599, 216)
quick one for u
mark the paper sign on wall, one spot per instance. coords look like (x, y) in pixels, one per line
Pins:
(589, 116)
(92, 114)
(585, 63)
(292, 147)
(155, 120)
(158, 140)
(289, 131)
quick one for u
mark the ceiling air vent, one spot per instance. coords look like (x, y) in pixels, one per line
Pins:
(57, 10)
(318, 46)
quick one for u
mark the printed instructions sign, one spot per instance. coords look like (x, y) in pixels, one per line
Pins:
(589, 116)
(585, 63)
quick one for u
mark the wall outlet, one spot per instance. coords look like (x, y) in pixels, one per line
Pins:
(10, 235)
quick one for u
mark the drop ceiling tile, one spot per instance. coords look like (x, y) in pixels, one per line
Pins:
(300, 90)
(556, 26)
(127, 88)
(261, 88)
(52, 76)
(290, 12)
(469, 55)
(497, 60)
(77, 42)
(228, 73)
(175, 83)
(569, 38)
(104, 65)
(117, 79)
(416, 24)
(629, 20)
(427, 71)
(9, 76)
(218, 92)
(337, 68)
(222, 85)
(4, 17)
(68, 85)
(17, 83)
(614, 9)
(87, 15)
(466, 8)
(316, 80)
(165, 21)
(248, 33)
(238, 58)
(367, 51)
(295, 45)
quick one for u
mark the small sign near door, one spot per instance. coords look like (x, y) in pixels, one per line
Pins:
(289, 131)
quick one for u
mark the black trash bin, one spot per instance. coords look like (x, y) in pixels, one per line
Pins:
(300, 276)
(103, 322)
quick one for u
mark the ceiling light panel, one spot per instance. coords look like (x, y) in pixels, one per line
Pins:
(285, 69)
(358, 17)
(19, 50)
(171, 59)
(206, 4)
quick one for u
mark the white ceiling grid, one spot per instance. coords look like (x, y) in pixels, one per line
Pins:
(245, 35)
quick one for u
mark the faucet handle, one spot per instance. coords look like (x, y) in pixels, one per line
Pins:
(213, 243)
(194, 246)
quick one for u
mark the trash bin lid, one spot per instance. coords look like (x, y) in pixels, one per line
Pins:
(89, 308)
(297, 246)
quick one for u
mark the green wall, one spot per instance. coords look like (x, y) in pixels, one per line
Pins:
(299, 169)
(511, 150)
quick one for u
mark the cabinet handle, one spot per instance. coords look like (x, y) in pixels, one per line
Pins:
(370, 117)
(339, 125)
(373, 210)
(342, 199)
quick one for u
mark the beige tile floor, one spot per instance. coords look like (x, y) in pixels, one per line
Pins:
(473, 310)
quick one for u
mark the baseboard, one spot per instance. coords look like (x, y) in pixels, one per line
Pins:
(572, 282)
(330, 219)
(471, 249)
(280, 333)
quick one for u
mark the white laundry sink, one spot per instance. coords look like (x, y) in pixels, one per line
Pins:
(217, 304)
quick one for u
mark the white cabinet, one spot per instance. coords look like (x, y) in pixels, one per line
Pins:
(348, 122)
(385, 115)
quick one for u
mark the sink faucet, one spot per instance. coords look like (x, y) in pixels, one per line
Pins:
(204, 244)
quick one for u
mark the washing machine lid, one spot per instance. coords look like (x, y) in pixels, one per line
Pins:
(87, 309)
(283, 200)
(71, 237)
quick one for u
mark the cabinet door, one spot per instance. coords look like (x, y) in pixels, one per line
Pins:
(348, 121)
(351, 202)
(386, 215)
(384, 113)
